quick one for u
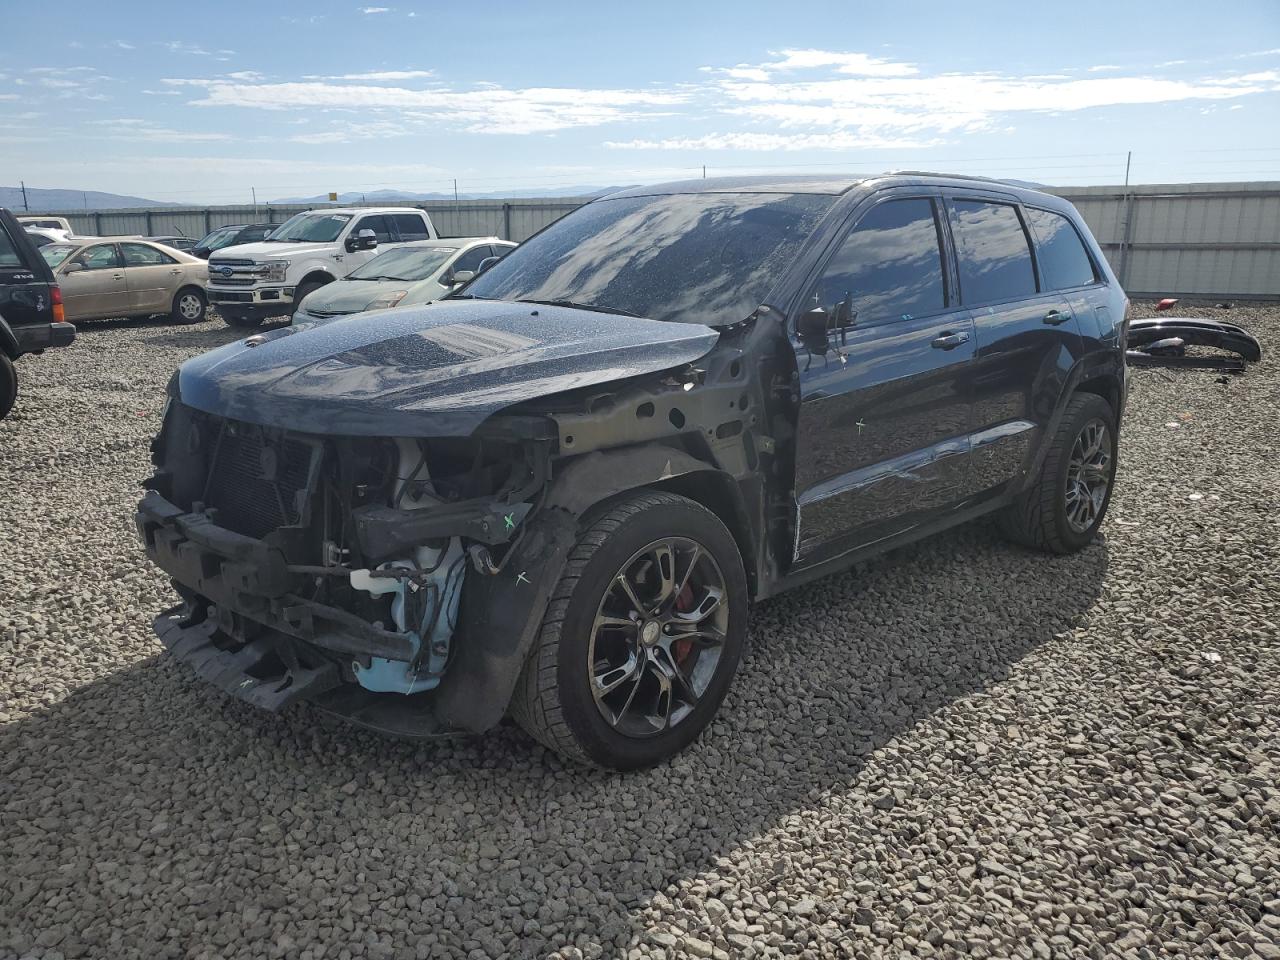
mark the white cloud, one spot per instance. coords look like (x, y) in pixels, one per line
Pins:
(775, 142)
(8, 96)
(1104, 67)
(125, 46)
(368, 10)
(374, 75)
(486, 110)
(194, 49)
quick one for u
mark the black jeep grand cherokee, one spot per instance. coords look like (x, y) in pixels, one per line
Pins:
(556, 493)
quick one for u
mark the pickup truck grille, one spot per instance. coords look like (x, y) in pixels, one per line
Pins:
(241, 273)
(255, 478)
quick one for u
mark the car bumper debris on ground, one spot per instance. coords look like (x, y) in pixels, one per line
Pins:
(959, 748)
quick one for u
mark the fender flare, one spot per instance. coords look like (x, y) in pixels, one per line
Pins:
(1102, 365)
(313, 272)
(502, 614)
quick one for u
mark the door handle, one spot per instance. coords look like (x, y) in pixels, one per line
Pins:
(117, 276)
(1055, 317)
(949, 341)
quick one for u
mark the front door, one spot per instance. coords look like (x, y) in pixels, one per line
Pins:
(1027, 338)
(97, 289)
(883, 429)
(150, 275)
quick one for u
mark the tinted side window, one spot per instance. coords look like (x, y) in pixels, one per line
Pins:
(252, 234)
(1063, 259)
(991, 245)
(8, 252)
(889, 267)
(378, 224)
(411, 227)
(139, 255)
(470, 260)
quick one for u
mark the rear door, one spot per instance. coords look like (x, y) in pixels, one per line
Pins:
(151, 275)
(99, 288)
(410, 226)
(882, 435)
(25, 298)
(1027, 338)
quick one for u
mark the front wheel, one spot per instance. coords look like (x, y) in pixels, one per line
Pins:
(8, 385)
(641, 638)
(1063, 509)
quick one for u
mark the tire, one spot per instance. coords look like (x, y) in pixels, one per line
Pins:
(1053, 515)
(233, 319)
(8, 385)
(300, 294)
(554, 700)
(189, 306)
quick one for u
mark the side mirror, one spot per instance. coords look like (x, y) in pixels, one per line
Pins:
(486, 263)
(461, 276)
(367, 239)
(814, 330)
(72, 268)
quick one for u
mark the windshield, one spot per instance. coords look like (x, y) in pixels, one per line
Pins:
(55, 253)
(219, 238)
(404, 263)
(696, 258)
(310, 228)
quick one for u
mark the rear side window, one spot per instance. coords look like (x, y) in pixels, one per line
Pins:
(250, 234)
(1064, 262)
(8, 252)
(889, 267)
(140, 255)
(993, 253)
(411, 227)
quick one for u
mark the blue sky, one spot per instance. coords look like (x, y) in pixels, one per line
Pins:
(201, 102)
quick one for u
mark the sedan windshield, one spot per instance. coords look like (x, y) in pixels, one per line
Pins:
(696, 258)
(310, 228)
(55, 253)
(404, 263)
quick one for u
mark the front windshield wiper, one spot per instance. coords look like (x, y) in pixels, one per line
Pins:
(597, 308)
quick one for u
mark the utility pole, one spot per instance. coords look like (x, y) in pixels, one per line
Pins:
(704, 171)
(455, 191)
(1127, 162)
(254, 192)
(84, 198)
(24, 196)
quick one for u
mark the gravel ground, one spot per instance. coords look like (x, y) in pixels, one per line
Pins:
(961, 748)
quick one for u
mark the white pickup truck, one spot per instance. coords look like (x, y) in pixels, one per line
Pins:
(253, 281)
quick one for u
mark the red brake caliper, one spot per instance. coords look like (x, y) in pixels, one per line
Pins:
(684, 603)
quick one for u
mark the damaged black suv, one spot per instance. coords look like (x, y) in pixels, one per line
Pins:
(554, 494)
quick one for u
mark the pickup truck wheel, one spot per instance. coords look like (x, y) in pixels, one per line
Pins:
(641, 637)
(300, 294)
(188, 306)
(233, 318)
(1063, 509)
(8, 385)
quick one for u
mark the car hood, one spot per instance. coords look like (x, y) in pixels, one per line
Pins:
(262, 250)
(351, 296)
(435, 370)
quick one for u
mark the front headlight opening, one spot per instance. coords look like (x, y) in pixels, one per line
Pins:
(387, 300)
(276, 269)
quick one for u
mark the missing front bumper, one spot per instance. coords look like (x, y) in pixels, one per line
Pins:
(272, 671)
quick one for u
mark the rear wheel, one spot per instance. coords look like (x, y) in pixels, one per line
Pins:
(188, 306)
(641, 638)
(8, 385)
(1063, 509)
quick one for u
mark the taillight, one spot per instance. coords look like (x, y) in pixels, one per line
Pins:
(59, 312)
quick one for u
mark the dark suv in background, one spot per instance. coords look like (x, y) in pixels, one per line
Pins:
(229, 236)
(32, 317)
(556, 492)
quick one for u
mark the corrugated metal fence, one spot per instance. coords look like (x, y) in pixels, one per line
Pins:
(1195, 240)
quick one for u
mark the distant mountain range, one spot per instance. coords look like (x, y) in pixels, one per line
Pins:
(39, 200)
(401, 196)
